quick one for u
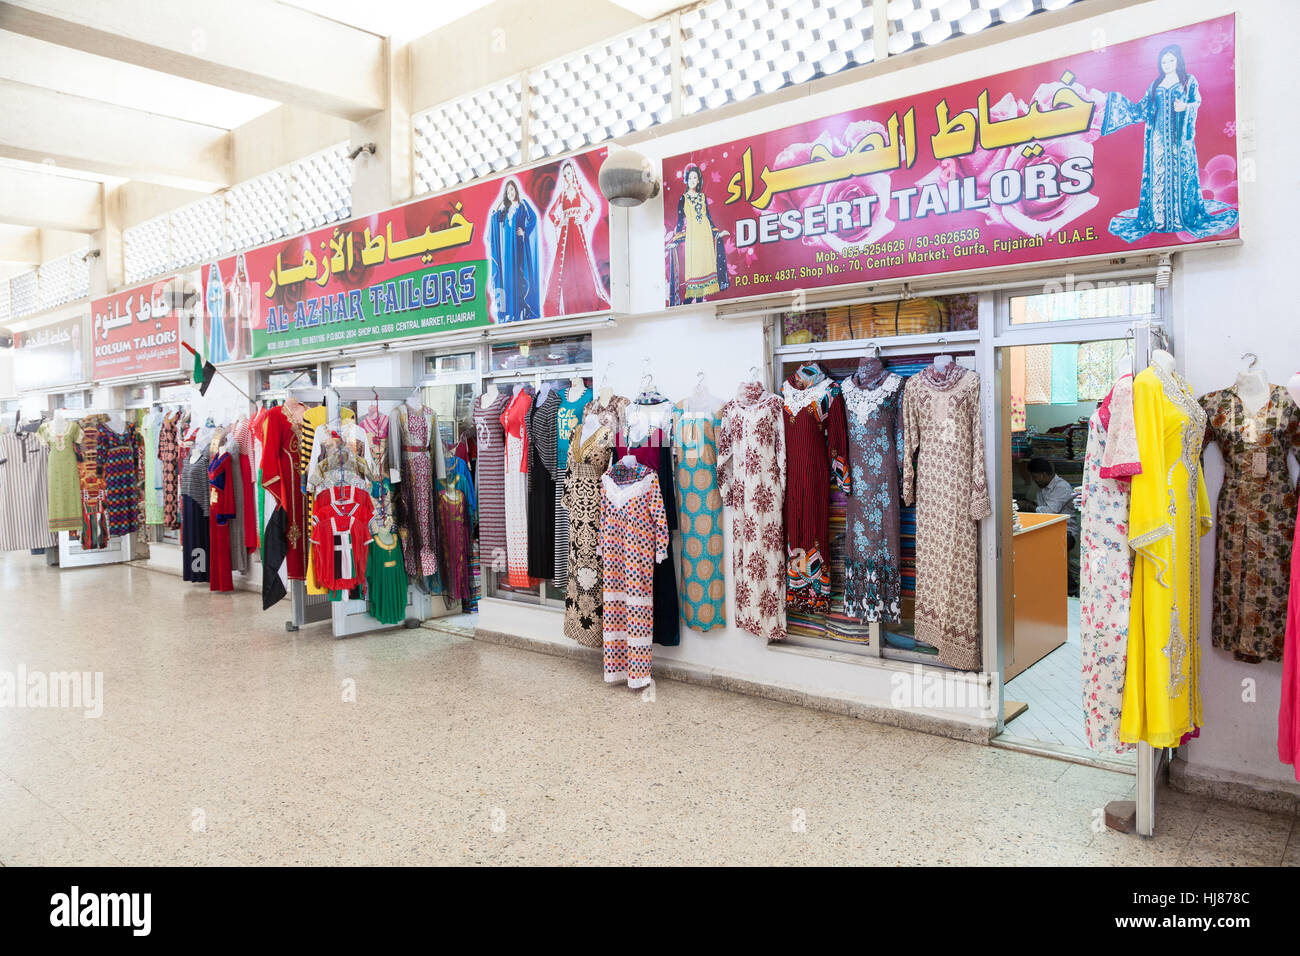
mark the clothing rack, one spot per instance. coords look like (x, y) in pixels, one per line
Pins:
(348, 617)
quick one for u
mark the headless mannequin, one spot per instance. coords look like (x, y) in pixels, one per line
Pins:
(1163, 361)
(942, 361)
(1293, 387)
(1253, 389)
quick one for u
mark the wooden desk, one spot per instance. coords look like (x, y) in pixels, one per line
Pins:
(1040, 595)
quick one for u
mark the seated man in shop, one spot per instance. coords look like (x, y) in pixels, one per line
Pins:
(1056, 496)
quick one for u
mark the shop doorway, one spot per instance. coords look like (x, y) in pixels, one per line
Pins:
(1051, 380)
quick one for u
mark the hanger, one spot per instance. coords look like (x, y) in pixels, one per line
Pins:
(606, 392)
(943, 359)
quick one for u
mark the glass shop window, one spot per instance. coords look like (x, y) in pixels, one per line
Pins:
(541, 353)
(342, 376)
(452, 362)
(72, 400)
(918, 315)
(170, 392)
(1084, 300)
(275, 379)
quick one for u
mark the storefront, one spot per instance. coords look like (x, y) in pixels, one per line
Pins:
(994, 221)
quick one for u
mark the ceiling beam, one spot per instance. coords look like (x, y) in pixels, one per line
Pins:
(19, 249)
(50, 201)
(42, 126)
(259, 47)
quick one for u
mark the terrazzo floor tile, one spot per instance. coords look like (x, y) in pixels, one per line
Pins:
(225, 740)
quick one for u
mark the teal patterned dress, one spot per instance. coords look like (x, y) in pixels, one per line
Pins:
(699, 508)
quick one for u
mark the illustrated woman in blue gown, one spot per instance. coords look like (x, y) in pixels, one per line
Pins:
(512, 247)
(218, 350)
(1170, 200)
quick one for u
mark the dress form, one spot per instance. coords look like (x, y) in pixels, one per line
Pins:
(1163, 360)
(1253, 389)
(1293, 387)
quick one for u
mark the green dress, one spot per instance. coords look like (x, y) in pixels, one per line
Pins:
(64, 478)
(699, 522)
(386, 579)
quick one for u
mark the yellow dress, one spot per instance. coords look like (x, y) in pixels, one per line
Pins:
(1168, 512)
(701, 250)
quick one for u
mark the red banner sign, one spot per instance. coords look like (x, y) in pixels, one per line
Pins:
(1128, 147)
(137, 331)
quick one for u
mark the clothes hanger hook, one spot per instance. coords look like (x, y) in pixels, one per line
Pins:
(1253, 360)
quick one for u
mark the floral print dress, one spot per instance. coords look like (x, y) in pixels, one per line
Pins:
(751, 475)
(943, 473)
(872, 575)
(1256, 518)
(1106, 565)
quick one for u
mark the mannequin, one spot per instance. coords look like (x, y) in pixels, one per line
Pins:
(1163, 361)
(487, 398)
(700, 400)
(1252, 388)
(589, 425)
(1293, 387)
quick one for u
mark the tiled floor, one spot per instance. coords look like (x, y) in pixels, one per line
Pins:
(225, 739)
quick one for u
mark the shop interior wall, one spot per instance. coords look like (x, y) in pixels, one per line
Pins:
(1227, 302)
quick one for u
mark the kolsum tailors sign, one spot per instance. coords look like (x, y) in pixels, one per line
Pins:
(137, 331)
(1124, 148)
(534, 244)
(50, 355)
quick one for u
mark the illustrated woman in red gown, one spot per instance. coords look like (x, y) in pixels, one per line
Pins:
(575, 285)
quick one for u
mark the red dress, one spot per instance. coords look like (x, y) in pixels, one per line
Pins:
(575, 286)
(280, 464)
(816, 447)
(221, 479)
(340, 537)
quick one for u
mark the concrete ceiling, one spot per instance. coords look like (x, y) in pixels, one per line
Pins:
(96, 94)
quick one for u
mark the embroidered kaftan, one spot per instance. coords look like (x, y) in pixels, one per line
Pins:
(515, 470)
(589, 456)
(1168, 513)
(943, 473)
(873, 587)
(751, 474)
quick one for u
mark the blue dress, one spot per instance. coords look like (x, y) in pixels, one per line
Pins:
(699, 503)
(1170, 199)
(515, 281)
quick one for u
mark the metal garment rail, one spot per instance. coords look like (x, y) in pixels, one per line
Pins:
(347, 616)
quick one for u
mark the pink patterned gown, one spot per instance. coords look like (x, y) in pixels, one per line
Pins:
(633, 538)
(1106, 565)
(1288, 715)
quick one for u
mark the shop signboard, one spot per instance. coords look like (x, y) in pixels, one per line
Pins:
(137, 331)
(533, 244)
(1121, 148)
(50, 356)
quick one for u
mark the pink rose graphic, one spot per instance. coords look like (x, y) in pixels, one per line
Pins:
(845, 190)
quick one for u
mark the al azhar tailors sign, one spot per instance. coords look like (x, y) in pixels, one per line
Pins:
(1124, 148)
(533, 244)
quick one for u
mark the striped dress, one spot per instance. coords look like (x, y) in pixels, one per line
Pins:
(490, 475)
(24, 493)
